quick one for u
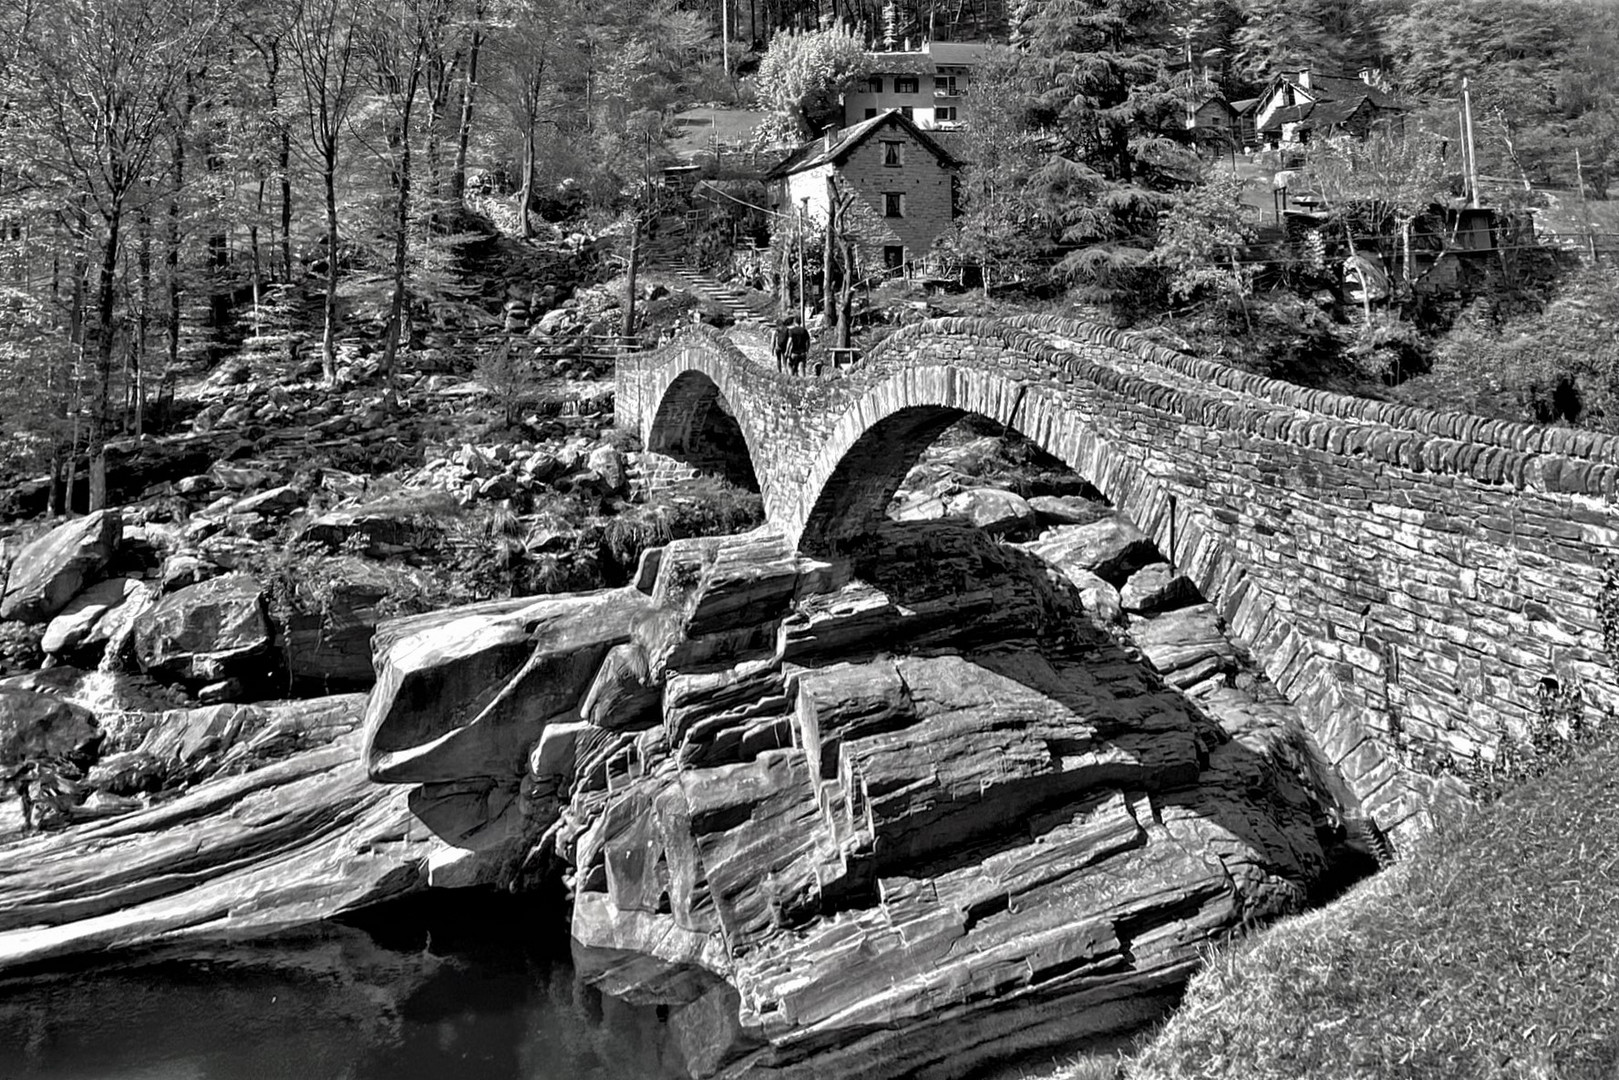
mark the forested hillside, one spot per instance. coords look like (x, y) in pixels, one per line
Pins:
(178, 176)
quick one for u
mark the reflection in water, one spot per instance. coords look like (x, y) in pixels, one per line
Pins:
(429, 992)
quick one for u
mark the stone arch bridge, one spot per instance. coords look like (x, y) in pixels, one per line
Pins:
(1406, 577)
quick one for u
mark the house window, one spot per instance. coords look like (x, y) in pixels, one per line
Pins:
(893, 258)
(871, 114)
(893, 204)
(905, 84)
(907, 112)
(945, 114)
(875, 84)
(893, 154)
(944, 85)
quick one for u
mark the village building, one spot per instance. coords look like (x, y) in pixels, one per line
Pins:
(1299, 106)
(902, 179)
(928, 86)
(1213, 118)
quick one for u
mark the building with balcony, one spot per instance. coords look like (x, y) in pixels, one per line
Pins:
(927, 87)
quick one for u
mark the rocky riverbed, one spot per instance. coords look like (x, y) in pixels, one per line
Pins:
(987, 781)
(917, 806)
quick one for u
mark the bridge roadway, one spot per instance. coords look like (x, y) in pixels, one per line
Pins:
(1411, 579)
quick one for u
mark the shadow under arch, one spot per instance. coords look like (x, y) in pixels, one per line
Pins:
(697, 426)
(878, 439)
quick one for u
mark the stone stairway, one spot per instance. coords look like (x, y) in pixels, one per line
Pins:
(671, 252)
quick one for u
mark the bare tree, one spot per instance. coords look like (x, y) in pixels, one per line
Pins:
(325, 46)
(104, 74)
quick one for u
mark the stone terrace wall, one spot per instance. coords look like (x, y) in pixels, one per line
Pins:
(1408, 578)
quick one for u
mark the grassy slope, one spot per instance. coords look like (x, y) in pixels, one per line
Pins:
(1492, 952)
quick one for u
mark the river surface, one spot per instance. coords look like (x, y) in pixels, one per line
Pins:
(483, 991)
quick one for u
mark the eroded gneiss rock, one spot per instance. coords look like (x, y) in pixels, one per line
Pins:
(54, 568)
(908, 844)
(468, 698)
(206, 631)
(1111, 548)
(76, 624)
(34, 725)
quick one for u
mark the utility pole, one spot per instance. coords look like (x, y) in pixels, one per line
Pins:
(725, 36)
(1469, 149)
(803, 298)
(1585, 207)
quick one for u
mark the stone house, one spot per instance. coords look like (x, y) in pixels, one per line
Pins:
(1300, 105)
(903, 182)
(928, 86)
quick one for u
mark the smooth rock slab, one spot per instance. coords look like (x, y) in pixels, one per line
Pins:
(995, 511)
(280, 847)
(469, 698)
(56, 567)
(75, 625)
(1112, 549)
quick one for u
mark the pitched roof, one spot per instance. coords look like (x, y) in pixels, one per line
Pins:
(1338, 87)
(1318, 114)
(932, 55)
(817, 153)
(957, 52)
(1245, 105)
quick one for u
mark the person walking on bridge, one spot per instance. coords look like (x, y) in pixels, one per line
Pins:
(779, 343)
(799, 342)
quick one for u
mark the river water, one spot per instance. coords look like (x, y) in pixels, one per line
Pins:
(483, 990)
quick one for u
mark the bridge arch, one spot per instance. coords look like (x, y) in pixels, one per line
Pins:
(882, 434)
(696, 425)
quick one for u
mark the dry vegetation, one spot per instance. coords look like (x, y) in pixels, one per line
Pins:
(1491, 952)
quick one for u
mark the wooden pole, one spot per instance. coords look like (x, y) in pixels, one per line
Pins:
(1471, 148)
(1585, 207)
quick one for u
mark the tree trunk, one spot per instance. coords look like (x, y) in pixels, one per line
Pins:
(284, 164)
(328, 337)
(171, 253)
(524, 228)
(629, 277)
(396, 306)
(106, 295)
(469, 96)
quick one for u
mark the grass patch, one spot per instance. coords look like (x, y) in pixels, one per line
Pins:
(1491, 951)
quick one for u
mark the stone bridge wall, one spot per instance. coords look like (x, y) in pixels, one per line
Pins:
(1407, 577)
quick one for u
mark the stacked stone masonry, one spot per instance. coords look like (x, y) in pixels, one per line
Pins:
(1408, 578)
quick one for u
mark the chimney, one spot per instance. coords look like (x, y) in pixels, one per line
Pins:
(827, 137)
(1304, 78)
(1367, 75)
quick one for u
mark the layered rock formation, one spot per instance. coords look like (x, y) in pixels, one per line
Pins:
(895, 812)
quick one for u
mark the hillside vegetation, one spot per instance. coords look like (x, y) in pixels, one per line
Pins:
(1492, 951)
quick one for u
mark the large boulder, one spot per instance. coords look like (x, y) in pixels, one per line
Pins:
(1112, 549)
(997, 512)
(328, 635)
(204, 632)
(74, 627)
(1157, 587)
(36, 725)
(468, 698)
(55, 568)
